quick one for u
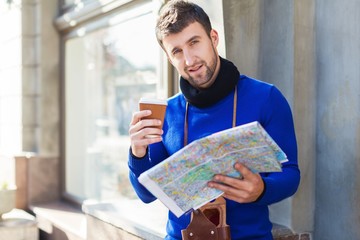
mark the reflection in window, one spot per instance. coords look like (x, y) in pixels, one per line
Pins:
(106, 73)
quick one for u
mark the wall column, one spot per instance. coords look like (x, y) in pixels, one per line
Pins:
(304, 109)
(274, 42)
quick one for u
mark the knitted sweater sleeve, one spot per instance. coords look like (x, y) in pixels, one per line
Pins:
(278, 121)
(155, 154)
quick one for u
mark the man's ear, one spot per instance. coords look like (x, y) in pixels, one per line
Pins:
(214, 37)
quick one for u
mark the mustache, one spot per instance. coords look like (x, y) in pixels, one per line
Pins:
(195, 64)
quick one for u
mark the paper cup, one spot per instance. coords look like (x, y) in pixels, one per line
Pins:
(157, 107)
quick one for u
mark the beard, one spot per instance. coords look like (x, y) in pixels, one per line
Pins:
(208, 77)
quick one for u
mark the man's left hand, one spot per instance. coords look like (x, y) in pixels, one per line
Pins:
(243, 190)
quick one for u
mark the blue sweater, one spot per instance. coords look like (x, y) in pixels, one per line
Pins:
(256, 101)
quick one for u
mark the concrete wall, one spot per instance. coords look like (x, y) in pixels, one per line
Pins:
(304, 111)
(337, 214)
(215, 11)
(29, 95)
(310, 50)
(260, 39)
(29, 78)
(49, 80)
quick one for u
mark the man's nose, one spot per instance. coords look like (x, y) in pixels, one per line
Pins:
(189, 58)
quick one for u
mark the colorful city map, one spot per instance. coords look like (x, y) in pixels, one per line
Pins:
(180, 181)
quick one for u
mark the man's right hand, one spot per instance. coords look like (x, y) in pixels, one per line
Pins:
(139, 129)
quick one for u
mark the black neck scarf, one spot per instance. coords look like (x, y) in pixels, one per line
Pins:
(224, 84)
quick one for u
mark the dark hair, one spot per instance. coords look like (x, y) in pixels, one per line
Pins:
(178, 14)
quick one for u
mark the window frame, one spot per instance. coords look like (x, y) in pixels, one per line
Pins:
(91, 17)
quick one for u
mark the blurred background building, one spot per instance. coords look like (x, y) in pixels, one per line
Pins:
(72, 72)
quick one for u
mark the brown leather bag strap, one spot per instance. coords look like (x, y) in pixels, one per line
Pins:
(200, 227)
(216, 209)
(208, 222)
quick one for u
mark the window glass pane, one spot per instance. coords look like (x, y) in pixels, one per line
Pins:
(69, 2)
(106, 73)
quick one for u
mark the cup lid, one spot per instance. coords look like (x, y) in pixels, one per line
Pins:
(153, 101)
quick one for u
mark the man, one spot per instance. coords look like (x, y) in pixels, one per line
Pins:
(214, 96)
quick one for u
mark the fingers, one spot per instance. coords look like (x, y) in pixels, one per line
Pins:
(230, 192)
(139, 147)
(137, 116)
(140, 127)
(245, 189)
(244, 171)
(139, 131)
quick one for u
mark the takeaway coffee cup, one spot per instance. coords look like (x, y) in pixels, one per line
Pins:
(157, 107)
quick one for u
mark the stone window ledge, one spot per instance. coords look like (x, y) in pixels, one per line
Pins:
(120, 219)
(59, 220)
(143, 221)
(148, 221)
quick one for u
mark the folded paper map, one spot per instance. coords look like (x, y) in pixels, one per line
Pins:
(180, 181)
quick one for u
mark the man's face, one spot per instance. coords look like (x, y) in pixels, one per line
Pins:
(194, 54)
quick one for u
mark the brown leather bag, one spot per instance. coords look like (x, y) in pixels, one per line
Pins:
(208, 222)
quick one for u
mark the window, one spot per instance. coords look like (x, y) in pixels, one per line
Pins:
(107, 70)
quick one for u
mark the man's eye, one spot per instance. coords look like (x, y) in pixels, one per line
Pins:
(176, 51)
(193, 42)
